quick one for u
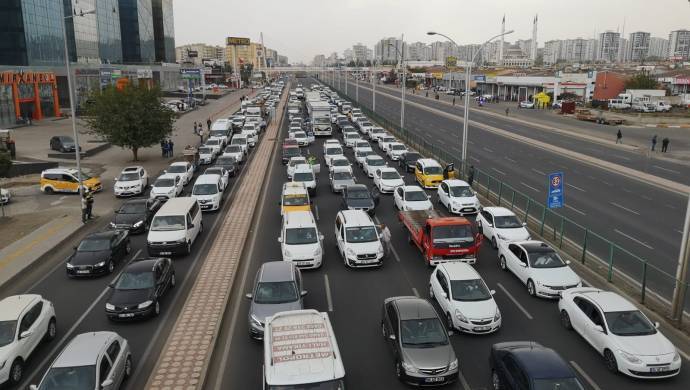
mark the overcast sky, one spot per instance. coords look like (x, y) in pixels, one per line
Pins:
(302, 29)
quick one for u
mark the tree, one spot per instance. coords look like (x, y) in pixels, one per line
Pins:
(368, 63)
(351, 64)
(132, 117)
(246, 71)
(5, 164)
(641, 80)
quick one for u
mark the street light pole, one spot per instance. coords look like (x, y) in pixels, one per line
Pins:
(373, 86)
(402, 92)
(357, 88)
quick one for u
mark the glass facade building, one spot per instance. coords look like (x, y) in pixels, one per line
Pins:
(31, 32)
(164, 30)
(109, 42)
(82, 32)
(136, 29)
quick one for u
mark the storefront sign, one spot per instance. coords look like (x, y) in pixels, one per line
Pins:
(190, 73)
(234, 41)
(681, 81)
(144, 73)
(27, 77)
(116, 74)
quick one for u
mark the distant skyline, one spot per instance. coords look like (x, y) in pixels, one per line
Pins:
(301, 29)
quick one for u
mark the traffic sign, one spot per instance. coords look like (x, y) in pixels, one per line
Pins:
(555, 195)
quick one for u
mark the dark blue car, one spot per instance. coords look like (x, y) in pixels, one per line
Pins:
(526, 365)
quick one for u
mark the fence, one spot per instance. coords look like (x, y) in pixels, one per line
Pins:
(646, 282)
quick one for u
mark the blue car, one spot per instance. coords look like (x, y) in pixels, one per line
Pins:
(530, 366)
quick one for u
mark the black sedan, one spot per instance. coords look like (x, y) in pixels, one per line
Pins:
(358, 197)
(228, 163)
(408, 161)
(138, 290)
(135, 215)
(98, 253)
(63, 143)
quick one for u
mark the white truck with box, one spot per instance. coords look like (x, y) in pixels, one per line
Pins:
(320, 116)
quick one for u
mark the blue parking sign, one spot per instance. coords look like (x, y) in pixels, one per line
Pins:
(555, 195)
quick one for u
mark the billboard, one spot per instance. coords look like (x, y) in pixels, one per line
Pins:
(235, 41)
(451, 61)
(192, 53)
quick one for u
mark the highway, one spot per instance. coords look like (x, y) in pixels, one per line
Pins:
(644, 219)
(353, 299)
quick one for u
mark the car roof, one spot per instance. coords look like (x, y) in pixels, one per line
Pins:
(356, 218)
(108, 234)
(387, 169)
(428, 162)
(183, 163)
(12, 307)
(341, 169)
(176, 206)
(535, 246)
(412, 188)
(609, 301)
(293, 188)
(132, 168)
(295, 219)
(413, 308)
(61, 170)
(456, 182)
(499, 211)
(276, 271)
(84, 349)
(167, 176)
(374, 157)
(140, 265)
(460, 271)
(135, 201)
(541, 362)
(207, 178)
(303, 168)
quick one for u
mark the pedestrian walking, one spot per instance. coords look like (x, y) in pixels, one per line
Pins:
(507, 111)
(470, 175)
(163, 146)
(653, 142)
(664, 144)
(208, 124)
(84, 215)
(453, 100)
(201, 136)
(619, 137)
(427, 93)
(170, 147)
(196, 130)
(89, 204)
(386, 237)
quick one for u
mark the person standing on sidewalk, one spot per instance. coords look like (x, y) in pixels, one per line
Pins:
(386, 238)
(196, 131)
(470, 175)
(507, 111)
(163, 146)
(619, 137)
(84, 206)
(208, 124)
(653, 142)
(89, 204)
(170, 145)
(201, 136)
(453, 100)
(664, 144)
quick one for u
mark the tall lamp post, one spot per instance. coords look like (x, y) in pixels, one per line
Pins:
(373, 87)
(402, 96)
(468, 74)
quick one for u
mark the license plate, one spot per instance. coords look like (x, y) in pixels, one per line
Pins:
(166, 253)
(83, 271)
(658, 369)
(369, 261)
(481, 328)
(205, 207)
(126, 315)
(435, 379)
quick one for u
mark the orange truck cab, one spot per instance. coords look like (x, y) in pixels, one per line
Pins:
(442, 239)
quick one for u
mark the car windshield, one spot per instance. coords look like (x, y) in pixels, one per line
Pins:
(629, 323)
(205, 189)
(376, 162)
(300, 236)
(557, 384)
(358, 194)
(364, 153)
(322, 120)
(433, 170)
(94, 245)
(276, 292)
(341, 162)
(135, 281)
(164, 183)
(60, 378)
(507, 222)
(239, 141)
(205, 150)
(461, 191)
(334, 151)
(233, 149)
(225, 161)
(361, 234)
(303, 176)
(545, 259)
(7, 331)
(167, 222)
(390, 175)
(132, 208)
(177, 169)
(453, 233)
(289, 152)
(342, 176)
(218, 133)
(398, 147)
(351, 135)
(422, 333)
(214, 171)
(295, 200)
(128, 177)
(469, 290)
(296, 161)
(415, 196)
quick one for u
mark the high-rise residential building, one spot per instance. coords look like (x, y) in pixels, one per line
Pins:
(624, 50)
(136, 29)
(319, 60)
(387, 50)
(283, 60)
(348, 55)
(609, 46)
(552, 52)
(658, 47)
(639, 46)
(202, 51)
(164, 30)
(359, 53)
(271, 57)
(679, 45)
(417, 51)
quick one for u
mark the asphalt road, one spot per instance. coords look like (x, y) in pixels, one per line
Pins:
(80, 303)
(644, 219)
(357, 296)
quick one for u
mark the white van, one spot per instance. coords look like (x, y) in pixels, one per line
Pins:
(241, 139)
(358, 239)
(208, 191)
(175, 227)
(618, 104)
(300, 351)
(300, 240)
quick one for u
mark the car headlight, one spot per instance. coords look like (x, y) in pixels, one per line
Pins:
(460, 317)
(287, 254)
(255, 321)
(409, 367)
(497, 316)
(629, 357)
(100, 264)
(172, 191)
(318, 251)
(676, 357)
(2, 365)
(138, 223)
(349, 252)
(112, 224)
(502, 237)
(144, 305)
(109, 306)
(70, 266)
(181, 241)
(380, 249)
(453, 365)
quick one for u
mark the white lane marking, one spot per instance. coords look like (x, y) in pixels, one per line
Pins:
(584, 375)
(591, 177)
(515, 301)
(488, 150)
(538, 171)
(633, 239)
(501, 172)
(463, 381)
(416, 293)
(470, 142)
(626, 190)
(529, 186)
(575, 187)
(666, 169)
(316, 210)
(328, 292)
(55, 202)
(509, 159)
(645, 197)
(625, 208)
(607, 183)
(670, 206)
(474, 158)
(680, 232)
(623, 157)
(575, 210)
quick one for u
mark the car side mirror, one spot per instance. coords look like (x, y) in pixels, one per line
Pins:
(165, 171)
(25, 334)
(599, 328)
(523, 265)
(450, 333)
(567, 262)
(115, 179)
(280, 239)
(191, 225)
(490, 224)
(33, 387)
(320, 236)
(524, 224)
(106, 383)
(656, 325)
(391, 336)
(303, 293)
(493, 292)
(444, 295)
(249, 295)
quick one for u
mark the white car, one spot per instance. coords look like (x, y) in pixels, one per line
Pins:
(360, 144)
(385, 141)
(372, 163)
(182, 169)
(538, 266)
(220, 171)
(526, 104)
(395, 150)
(25, 321)
(216, 144)
(375, 133)
(167, 186)
(132, 181)
(236, 152)
(458, 197)
(361, 154)
(331, 151)
(300, 240)
(294, 161)
(330, 143)
(499, 223)
(304, 174)
(467, 303)
(365, 127)
(629, 342)
(206, 155)
(350, 139)
(339, 162)
(387, 179)
(208, 191)
(300, 137)
(411, 198)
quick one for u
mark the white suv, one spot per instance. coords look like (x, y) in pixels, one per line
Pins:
(132, 181)
(358, 240)
(387, 179)
(300, 240)
(25, 321)
(304, 174)
(458, 197)
(183, 169)
(208, 191)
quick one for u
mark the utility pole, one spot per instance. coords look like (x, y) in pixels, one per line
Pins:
(678, 303)
(373, 86)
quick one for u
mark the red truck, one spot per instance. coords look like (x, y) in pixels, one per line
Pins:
(442, 239)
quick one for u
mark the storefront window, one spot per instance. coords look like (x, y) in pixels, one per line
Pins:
(7, 113)
(47, 102)
(26, 91)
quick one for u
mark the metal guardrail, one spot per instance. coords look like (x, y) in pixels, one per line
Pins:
(636, 275)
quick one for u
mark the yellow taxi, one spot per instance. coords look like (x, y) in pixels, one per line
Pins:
(428, 173)
(67, 180)
(295, 197)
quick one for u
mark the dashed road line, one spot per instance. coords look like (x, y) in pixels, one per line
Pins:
(499, 171)
(680, 232)
(575, 187)
(670, 206)
(416, 293)
(515, 301)
(329, 299)
(584, 375)
(607, 183)
(509, 159)
(538, 171)
(633, 239)
(316, 210)
(666, 169)
(645, 197)
(529, 186)
(474, 159)
(488, 150)
(624, 208)
(575, 210)
(622, 157)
